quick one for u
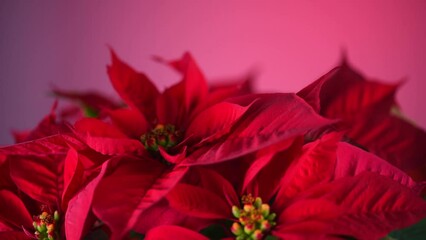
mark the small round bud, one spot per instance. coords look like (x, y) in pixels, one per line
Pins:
(257, 235)
(265, 209)
(258, 202)
(56, 216)
(249, 228)
(235, 211)
(248, 208)
(236, 229)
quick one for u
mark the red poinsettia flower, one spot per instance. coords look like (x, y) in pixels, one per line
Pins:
(370, 114)
(46, 184)
(332, 190)
(162, 134)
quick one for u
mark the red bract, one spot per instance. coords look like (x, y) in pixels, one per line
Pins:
(48, 180)
(162, 134)
(371, 116)
(328, 191)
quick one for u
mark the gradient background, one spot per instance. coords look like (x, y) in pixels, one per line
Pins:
(290, 44)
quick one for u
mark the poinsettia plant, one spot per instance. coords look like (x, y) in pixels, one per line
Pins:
(335, 161)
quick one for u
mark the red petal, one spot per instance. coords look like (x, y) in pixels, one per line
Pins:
(170, 107)
(215, 121)
(162, 214)
(193, 79)
(42, 147)
(178, 102)
(367, 110)
(106, 139)
(5, 179)
(393, 139)
(141, 183)
(216, 183)
(219, 92)
(307, 216)
(368, 199)
(15, 235)
(272, 118)
(198, 202)
(353, 161)
(130, 121)
(314, 166)
(13, 210)
(39, 177)
(73, 176)
(133, 87)
(178, 233)
(265, 172)
(77, 220)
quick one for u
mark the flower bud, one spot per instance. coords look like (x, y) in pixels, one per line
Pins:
(265, 209)
(236, 229)
(258, 202)
(249, 228)
(56, 216)
(248, 208)
(257, 235)
(236, 211)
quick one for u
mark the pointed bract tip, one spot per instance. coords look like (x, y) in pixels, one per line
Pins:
(343, 57)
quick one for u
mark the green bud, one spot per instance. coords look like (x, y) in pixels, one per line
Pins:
(236, 229)
(272, 216)
(248, 229)
(258, 202)
(265, 209)
(236, 211)
(41, 227)
(56, 216)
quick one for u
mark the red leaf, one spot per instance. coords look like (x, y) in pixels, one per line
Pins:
(393, 139)
(343, 93)
(106, 139)
(5, 179)
(265, 172)
(162, 214)
(131, 122)
(141, 183)
(353, 161)
(198, 202)
(39, 177)
(270, 119)
(215, 121)
(368, 111)
(178, 233)
(368, 199)
(13, 211)
(306, 218)
(133, 87)
(14, 235)
(195, 86)
(52, 145)
(170, 107)
(77, 220)
(217, 184)
(180, 100)
(73, 176)
(314, 166)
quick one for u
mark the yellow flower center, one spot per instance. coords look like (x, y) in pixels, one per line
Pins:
(254, 220)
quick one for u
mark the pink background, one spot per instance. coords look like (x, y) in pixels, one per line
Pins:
(290, 43)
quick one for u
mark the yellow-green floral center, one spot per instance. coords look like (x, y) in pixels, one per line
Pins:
(46, 225)
(254, 220)
(165, 136)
